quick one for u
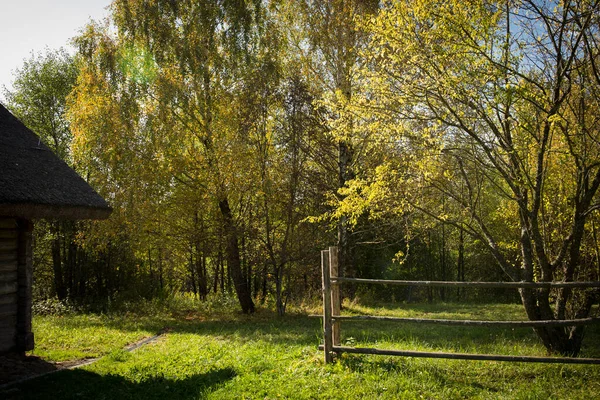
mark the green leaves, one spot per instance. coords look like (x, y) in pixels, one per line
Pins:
(137, 64)
(39, 97)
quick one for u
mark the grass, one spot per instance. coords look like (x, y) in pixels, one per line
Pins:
(62, 338)
(215, 353)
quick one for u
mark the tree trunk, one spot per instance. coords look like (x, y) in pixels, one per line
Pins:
(202, 278)
(233, 259)
(59, 284)
(343, 243)
(160, 270)
(562, 340)
(222, 272)
(217, 267)
(460, 263)
(279, 294)
(264, 283)
(193, 273)
(443, 262)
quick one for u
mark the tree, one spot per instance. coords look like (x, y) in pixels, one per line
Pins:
(492, 106)
(38, 98)
(334, 40)
(39, 94)
(284, 160)
(185, 75)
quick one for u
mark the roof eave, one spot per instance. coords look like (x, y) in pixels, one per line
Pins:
(38, 211)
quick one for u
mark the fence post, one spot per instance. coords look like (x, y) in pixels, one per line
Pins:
(335, 294)
(327, 342)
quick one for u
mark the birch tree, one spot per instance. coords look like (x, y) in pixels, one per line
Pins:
(493, 106)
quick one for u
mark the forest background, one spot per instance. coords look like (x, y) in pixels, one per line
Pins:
(235, 139)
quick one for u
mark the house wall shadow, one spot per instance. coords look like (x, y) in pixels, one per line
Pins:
(15, 367)
(81, 384)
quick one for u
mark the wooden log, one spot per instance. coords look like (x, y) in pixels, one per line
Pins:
(8, 234)
(8, 333)
(457, 322)
(8, 257)
(8, 223)
(10, 298)
(327, 342)
(466, 356)
(8, 287)
(7, 310)
(8, 266)
(515, 285)
(25, 277)
(8, 276)
(8, 246)
(8, 321)
(8, 336)
(335, 294)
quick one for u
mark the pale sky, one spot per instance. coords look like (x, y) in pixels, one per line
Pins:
(29, 26)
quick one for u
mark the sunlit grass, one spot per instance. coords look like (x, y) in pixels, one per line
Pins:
(441, 311)
(226, 355)
(62, 338)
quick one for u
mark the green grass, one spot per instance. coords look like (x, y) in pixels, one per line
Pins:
(62, 338)
(213, 354)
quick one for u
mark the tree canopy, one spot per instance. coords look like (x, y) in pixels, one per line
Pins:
(429, 140)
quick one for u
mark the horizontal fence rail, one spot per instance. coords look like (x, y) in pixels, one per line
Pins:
(507, 285)
(332, 316)
(464, 356)
(464, 322)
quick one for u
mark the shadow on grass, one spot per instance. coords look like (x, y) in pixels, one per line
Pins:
(14, 367)
(286, 331)
(304, 331)
(300, 330)
(405, 367)
(81, 384)
(291, 329)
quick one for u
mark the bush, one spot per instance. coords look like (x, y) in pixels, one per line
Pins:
(52, 306)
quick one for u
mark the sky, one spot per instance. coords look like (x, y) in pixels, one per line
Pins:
(29, 26)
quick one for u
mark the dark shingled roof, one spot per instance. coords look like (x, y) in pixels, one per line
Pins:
(35, 183)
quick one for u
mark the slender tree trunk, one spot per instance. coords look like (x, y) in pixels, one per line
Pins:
(160, 270)
(201, 273)
(344, 61)
(59, 285)
(222, 269)
(216, 277)
(443, 262)
(192, 273)
(460, 263)
(69, 261)
(343, 235)
(151, 271)
(279, 292)
(233, 259)
(429, 267)
(264, 284)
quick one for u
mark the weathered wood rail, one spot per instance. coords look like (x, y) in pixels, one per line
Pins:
(506, 285)
(332, 316)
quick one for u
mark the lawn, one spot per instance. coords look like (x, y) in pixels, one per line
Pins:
(215, 353)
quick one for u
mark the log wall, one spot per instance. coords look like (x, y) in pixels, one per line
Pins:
(8, 284)
(15, 285)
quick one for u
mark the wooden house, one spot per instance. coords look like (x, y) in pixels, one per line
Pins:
(34, 183)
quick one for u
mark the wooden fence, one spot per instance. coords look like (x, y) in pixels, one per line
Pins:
(332, 316)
